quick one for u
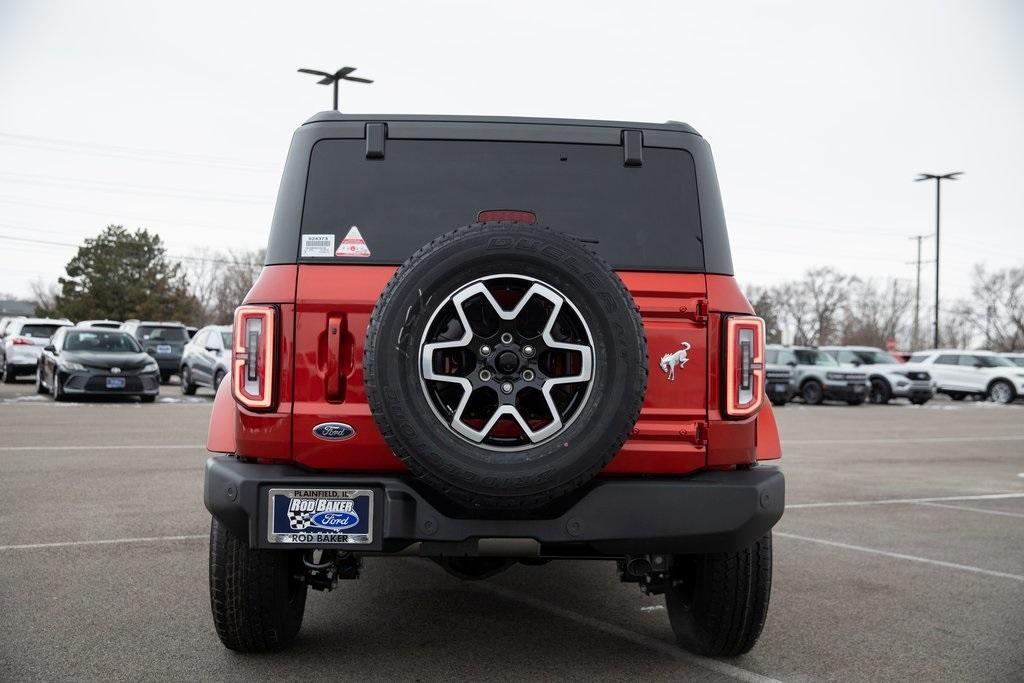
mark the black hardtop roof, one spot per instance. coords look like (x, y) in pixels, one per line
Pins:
(671, 126)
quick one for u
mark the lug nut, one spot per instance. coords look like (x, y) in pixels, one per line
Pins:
(506, 387)
(485, 375)
(529, 350)
(485, 350)
(506, 338)
(528, 375)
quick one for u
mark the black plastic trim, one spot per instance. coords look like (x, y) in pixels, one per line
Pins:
(709, 511)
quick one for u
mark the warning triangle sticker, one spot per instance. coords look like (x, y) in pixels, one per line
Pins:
(353, 245)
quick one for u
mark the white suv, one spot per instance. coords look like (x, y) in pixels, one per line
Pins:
(1015, 357)
(23, 342)
(960, 373)
(889, 378)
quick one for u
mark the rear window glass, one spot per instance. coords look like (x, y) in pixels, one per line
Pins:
(39, 331)
(173, 334)
(642, 218)
(101, 341)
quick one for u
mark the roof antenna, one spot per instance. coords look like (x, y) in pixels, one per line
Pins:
(341, 74)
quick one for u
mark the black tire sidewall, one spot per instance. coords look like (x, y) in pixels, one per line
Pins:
(818, 392)
(572, 456)
(883, 393)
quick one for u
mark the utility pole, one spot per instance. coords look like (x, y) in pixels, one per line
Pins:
(938, 213)
(916, 337)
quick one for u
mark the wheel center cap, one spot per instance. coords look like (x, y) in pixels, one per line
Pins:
(507, 362)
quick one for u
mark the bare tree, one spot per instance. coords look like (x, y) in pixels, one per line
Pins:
(1000, 307)
(959, 328)
(202, 268)
(872, 315)
(220, 280)
(44, 294)
(767, 308)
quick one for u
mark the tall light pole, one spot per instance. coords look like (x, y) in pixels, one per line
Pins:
(938, 213)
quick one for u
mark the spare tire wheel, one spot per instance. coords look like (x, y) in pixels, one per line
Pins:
(505, 364)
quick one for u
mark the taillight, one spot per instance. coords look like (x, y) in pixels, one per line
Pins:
(744, 365)
(21, 341)
(255, 356)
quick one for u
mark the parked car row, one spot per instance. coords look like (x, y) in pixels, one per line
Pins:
(95, 357)
(855, 374)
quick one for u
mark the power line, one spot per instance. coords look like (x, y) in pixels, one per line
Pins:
(120, 188)
(58, 145)
(106, 214)
(179, 257)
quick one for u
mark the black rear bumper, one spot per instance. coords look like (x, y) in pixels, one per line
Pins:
(708, 511)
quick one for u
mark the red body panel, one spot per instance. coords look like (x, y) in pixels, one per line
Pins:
(221, 436)
(769, 446)
(320, 375)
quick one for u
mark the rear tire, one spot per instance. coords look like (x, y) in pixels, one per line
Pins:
(1001, 392)
(188, 388)
(257, 603)
(718, 602)
(812, 392)
(40, 387)
(8, 374)
(881, 392)
(217, 379)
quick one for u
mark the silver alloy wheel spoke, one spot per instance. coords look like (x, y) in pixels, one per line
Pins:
(507, 406)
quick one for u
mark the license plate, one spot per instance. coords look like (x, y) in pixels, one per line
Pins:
(320, 516)
(115, 383)
(780, 388)
(163, 348)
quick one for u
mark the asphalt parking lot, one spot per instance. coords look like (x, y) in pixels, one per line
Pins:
(900, 556)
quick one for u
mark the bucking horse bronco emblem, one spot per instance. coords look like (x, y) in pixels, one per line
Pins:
(669, 361)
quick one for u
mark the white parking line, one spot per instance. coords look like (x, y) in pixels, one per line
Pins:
(908, 439)
(105, 541)
(897, 501)
(661, 646)
(902, 556)
(1003, 513)
(137, 447)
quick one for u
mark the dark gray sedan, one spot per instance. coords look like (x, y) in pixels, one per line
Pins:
(98, 362)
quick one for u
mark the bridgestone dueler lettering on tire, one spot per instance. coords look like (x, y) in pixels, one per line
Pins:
(505, 364)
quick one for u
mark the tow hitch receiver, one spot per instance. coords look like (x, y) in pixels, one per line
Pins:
(651, 572)
(323, 573)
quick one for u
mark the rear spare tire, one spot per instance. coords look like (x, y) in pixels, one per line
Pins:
(506, 364)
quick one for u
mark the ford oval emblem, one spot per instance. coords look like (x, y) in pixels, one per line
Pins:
(333, 431)
(335, 520)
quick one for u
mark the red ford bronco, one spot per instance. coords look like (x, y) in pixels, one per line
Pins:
(489, 341)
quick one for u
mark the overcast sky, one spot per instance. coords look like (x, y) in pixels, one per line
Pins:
(176, 116)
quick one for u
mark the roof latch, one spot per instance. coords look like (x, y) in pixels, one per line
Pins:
(633, 147)
(376, 133)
